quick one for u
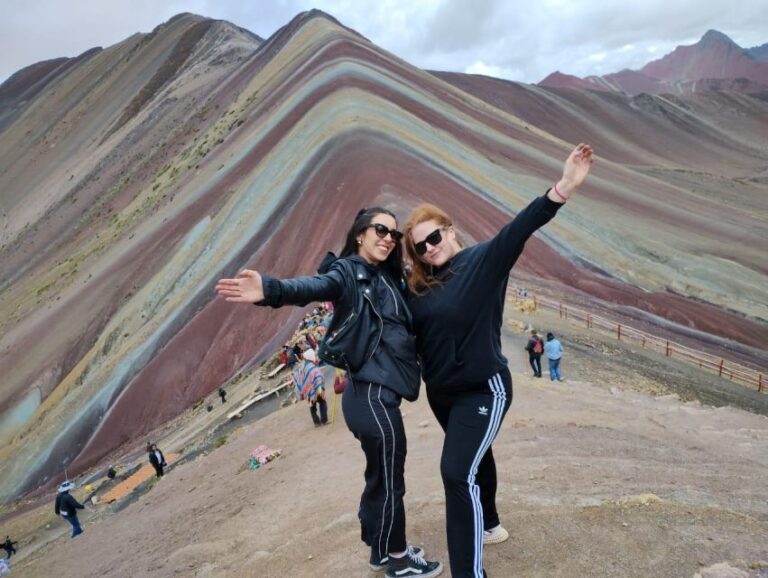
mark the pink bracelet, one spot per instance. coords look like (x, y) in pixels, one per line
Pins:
(558, 193)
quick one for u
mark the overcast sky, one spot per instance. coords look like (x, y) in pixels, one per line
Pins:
(518, 40)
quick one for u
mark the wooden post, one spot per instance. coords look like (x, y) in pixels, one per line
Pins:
(668, 351)
(760, 382)
(535, 304)
(561, 310)
(720, 373)
(618, 332)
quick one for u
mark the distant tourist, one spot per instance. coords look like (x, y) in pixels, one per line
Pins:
(554, 352)
(371, 335)
(535, 347)
(157, 459)
(223, 395)
(67, 506)
(287, 357)
(111, 473)
(457, 302)
(309, 382)
(9, 547)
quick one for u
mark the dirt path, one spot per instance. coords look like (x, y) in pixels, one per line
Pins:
(594, 481)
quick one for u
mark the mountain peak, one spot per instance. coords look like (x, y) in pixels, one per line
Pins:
(715, 37)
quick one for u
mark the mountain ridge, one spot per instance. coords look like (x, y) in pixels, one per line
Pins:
(111, 241)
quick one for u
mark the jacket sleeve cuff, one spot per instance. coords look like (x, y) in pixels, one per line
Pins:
(273, 292)
(550, 206)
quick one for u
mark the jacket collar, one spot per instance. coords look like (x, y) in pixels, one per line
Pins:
(362, 270)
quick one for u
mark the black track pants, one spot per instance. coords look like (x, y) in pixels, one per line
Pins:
(372, 413)
(471, 419)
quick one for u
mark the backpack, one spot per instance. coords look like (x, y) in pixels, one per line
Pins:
(537, 346)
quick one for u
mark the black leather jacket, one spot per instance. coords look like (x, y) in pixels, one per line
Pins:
(357, 328)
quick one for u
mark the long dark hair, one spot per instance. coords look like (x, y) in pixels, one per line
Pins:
(394, 263)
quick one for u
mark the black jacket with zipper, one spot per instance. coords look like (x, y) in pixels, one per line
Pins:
(371, 333)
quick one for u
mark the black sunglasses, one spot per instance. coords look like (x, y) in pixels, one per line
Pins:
(434, 238)
(382, 231)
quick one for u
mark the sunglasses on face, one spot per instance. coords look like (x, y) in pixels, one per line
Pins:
(382, 231)
(434, 238)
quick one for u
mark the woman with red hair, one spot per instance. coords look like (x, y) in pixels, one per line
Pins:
(457, 301)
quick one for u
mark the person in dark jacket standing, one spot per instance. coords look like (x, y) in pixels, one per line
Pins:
(371, 336)
(457, 301)
(67, 507)
(157, 459)
(9, 547)
(535, 347)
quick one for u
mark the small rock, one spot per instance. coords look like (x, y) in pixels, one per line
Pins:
(624, 524)
(309, 557)
(423, 423)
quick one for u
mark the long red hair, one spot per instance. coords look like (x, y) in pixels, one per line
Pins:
(421, 277)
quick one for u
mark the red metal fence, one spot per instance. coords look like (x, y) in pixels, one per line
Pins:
(724, 368)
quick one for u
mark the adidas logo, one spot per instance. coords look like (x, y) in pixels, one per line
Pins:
(482, 410)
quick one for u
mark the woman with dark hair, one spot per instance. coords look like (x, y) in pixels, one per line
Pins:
(370, 336)
(457, 301)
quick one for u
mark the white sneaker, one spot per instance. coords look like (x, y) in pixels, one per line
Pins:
(495, 535)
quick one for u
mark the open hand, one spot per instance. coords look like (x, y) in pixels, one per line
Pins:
(246, 288)
(575, 170)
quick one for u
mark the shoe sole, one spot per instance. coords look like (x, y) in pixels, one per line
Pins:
(502, 537)
(436, 572)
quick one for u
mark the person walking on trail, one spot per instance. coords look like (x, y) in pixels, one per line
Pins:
(67, 506)
(309, 382)
(157, 459)
(371, 336)
(457, 301)
(535, 347)
(9, 547)
(554, 352)
(223, 395)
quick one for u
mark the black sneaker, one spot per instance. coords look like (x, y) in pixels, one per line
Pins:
(412, 565)
(382, 564)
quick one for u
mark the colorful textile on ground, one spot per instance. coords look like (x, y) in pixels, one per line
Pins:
(308, 380)
(262, 455)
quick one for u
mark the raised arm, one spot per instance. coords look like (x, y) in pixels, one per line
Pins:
(506, 247)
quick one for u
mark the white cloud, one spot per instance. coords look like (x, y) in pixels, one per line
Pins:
(480, 67)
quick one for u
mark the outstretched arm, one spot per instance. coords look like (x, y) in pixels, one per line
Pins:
(252, 287)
